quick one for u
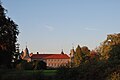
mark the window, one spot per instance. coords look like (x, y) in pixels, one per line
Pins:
(48, 60)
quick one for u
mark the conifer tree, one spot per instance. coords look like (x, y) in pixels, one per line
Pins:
(78, 56)
(8, 37)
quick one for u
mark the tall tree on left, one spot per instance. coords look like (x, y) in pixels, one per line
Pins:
(8, 37)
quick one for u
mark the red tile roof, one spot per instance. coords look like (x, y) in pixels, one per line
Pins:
(50, 56)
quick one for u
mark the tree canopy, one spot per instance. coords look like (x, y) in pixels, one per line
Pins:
(78, 56)
(111, 46)
(100, 67)
(8, 36)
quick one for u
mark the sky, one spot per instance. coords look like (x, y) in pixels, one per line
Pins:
(48, 26)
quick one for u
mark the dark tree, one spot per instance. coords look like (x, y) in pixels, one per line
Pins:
(85, 53)
(41, 65)
(85, 50)
(8, 37)
(78, 56)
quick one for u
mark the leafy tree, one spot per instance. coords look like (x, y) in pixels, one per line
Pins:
(42, 65)
(8, 37)
(107, 68)
(112, 41)
(85, 53)
(23, 65)
(78, 56)
(37, 65)
(110, 51)
(115, 53)
(85, 50)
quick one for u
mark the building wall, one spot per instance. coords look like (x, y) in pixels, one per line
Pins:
(57, 62)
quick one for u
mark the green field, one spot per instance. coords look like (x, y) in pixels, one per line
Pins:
(49, 72)
(27, 74)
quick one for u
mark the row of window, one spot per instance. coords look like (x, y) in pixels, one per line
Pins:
(55, 65)
(55, 59)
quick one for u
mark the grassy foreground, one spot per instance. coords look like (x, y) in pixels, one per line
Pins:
(27, 74)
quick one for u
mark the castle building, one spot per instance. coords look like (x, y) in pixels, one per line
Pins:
(25, 55)
(52, 60)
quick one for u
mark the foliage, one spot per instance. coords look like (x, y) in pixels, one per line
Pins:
(85, 50)
(115, 53)
(78, 56)
(85, 53)
(24, 65)
(115, 76)
(5, 59)
(112, 41)
(86, 71)
(34, 65)
(105, 68)
(62, 73)
(81, 55)
(8, 37)
(8, 32)
(38, 65)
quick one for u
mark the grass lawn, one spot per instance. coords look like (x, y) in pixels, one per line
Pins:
(49, 72)
(26, 74)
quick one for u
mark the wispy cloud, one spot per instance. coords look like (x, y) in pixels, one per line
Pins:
(90, 29)
(50, 28)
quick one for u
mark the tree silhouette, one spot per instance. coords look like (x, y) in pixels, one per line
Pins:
(41, 65)
(8, 37)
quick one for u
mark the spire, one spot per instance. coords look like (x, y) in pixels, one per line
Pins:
(26, 44)
(62, 52)
(26, 51)
(72, 52)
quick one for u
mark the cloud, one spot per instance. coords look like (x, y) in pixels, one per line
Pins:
(90, 29)
(50, 28)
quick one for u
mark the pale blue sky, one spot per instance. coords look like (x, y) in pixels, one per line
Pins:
(48, 26)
